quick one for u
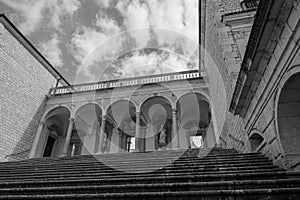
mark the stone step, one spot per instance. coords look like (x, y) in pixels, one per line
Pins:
(158, 154)
(171, 167)
(155, 187)
(150, 179)
(277, 193)
(127, 157)
(110, 177)
(61, 162)
(195, 170)
(102, 166)
(181, 174)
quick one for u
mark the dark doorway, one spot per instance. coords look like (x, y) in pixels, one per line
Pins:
(49, 146)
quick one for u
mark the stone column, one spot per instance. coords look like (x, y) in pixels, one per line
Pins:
(175, 140)
(137, 132)
(96, 147)
(108, 142)
(36, 139)
(68, 137)
(121, 141)
(102, 132)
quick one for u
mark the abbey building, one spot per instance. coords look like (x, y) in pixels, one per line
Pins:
(253, 106)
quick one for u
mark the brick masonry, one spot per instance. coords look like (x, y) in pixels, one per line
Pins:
(24, 85)
(226, 45)
(230, 6)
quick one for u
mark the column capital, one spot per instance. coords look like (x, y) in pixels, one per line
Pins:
(138, 113)
(174, 110)
(104, 116)
(71, 119)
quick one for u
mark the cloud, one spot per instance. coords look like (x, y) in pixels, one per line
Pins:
(141, 63)
(32, 12)
(91, 46)
(176, 15)
(103, 3)
(50, 49)
(107, 25)
(175, 21)
(85, 40)
(136, 16)
(172, 23)
(61, 8)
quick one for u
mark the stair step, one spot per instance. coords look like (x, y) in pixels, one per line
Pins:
(100, 167)
(141, 176)
(276, 193)
(154, 187)
(181, 174)
(195, 169)
(191, 160)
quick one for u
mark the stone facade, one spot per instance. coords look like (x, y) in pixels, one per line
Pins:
(178, 105)
(266, 98)
(24, 85)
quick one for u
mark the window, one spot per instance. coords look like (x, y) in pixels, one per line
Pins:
(249, 4)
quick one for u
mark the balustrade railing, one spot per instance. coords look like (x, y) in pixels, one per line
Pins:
(186, 75)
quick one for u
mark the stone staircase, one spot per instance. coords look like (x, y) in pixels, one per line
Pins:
(192, 174)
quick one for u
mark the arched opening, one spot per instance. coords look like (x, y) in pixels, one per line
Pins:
(156, 118)
(288, 116)
(53, 133)
(86, 132)
(120, 127)
(255, 141)
(194, 116)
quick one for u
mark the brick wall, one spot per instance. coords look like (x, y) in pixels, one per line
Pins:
(230, 6)
(24, 83)
(225, 43)
(221, 86)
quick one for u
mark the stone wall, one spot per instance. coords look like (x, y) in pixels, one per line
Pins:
(24, 85)
(262, 116)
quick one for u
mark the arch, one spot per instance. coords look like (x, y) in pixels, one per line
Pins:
(195, 119)
(206, 97)
(120, 126)
(287, 113)
(85, 104)
(86, 117)
(109, 108)
(120, 100)
(203, 105)
(154, 96)
(53, 131)
(46, 113)
(156, 117)
(255, 141)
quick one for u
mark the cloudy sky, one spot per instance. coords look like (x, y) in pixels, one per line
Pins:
(93, 40)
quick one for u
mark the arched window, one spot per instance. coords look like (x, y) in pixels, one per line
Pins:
(255, 141)
(288, 117)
